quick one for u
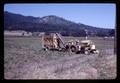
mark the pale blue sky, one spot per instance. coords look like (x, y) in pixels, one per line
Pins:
(98, 15)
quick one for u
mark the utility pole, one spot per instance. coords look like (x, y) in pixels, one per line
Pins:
(43, 34)
(86, 31)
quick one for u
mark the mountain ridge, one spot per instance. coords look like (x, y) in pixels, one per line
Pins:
(51, 23)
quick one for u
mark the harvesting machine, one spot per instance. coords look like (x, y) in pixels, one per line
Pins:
(54, 41)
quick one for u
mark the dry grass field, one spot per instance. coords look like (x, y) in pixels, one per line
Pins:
(24, 59)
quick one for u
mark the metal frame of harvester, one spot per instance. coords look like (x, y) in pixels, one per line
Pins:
(52, 42)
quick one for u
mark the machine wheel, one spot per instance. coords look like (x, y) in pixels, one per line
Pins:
(73, 48)
(78, 52)
(82, 50)
(86, 52)
(45, 49)
(66, 47)
(96, 52)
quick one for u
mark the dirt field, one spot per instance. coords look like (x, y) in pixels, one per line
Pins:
(24, 59)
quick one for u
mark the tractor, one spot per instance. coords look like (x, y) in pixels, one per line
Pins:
(87, 47)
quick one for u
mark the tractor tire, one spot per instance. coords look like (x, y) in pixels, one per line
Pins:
(78, 52)
(66, 47)
(73, 48)
(45, 49)
(86, 52)
(96, 52)
(82, 50)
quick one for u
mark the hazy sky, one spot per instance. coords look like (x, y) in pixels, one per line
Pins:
(98, 15)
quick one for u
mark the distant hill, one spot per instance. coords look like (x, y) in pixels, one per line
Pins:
(51, 23)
